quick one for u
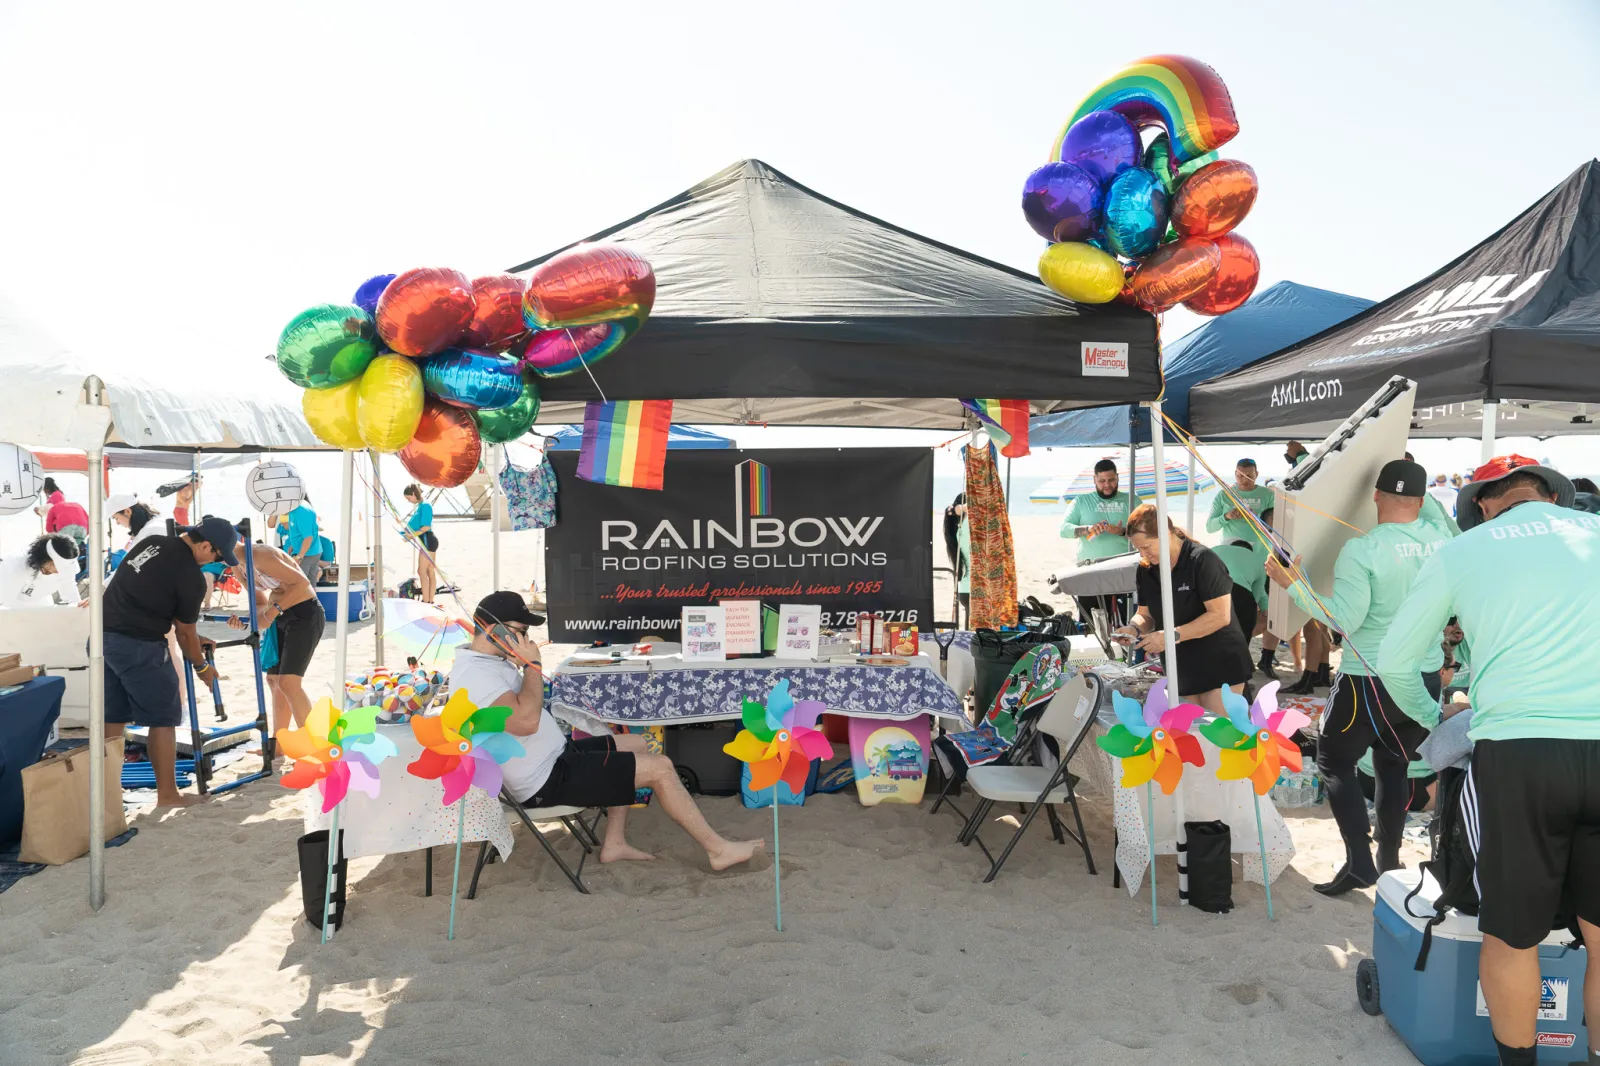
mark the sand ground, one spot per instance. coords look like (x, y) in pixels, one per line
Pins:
(893, 952)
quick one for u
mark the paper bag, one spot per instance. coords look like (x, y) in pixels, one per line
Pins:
(55, 797)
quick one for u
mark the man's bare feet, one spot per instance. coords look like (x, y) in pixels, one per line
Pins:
(623, 853)
(178, 801)
(734, 852)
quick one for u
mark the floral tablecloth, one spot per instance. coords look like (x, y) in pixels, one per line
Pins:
(664, 690)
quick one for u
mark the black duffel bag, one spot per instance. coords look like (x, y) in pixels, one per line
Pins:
(994, 653)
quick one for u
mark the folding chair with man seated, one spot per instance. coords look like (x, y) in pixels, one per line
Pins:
(571, 817)
(1068, 718)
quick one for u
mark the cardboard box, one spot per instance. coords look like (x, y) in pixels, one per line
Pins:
(10, 660)
(18, 675)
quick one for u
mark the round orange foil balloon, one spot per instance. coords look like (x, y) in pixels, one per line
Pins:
(425, 311)
(1234, 281)
(1214, 199)
(497, 320)
(445, 449)
(587, 284)
(1174, 272)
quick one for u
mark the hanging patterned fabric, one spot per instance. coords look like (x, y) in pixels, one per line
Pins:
(530, 494)
(1006, 421)
(625, 442)
(994, 559)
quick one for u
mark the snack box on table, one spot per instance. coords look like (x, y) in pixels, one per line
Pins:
(1438, 1011)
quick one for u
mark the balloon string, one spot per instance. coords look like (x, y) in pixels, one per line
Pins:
(584, 362)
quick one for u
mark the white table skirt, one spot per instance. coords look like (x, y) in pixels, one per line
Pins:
(409, 813)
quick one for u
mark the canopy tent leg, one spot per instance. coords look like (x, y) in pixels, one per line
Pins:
(97, 665)
(196, 511)
(494, 514)
(1188, 522)
(1168, 629)
(341, 647)
(375, 578)
(1491, 415)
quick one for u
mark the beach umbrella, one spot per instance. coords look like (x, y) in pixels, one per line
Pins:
(431, 632)
(1144, 485)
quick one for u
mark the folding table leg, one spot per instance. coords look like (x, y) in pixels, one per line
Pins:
(427, 873)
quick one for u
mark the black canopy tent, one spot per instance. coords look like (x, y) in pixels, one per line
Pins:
(777, 305)
(1514, 320)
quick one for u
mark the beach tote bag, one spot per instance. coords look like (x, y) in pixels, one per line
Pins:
(55, 797)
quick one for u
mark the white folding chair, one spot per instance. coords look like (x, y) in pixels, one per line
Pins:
(571, 817)
(1069, 719)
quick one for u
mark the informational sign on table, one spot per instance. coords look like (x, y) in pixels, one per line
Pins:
(799, 629)
(704, 632)
(849, 530)
(743, 618)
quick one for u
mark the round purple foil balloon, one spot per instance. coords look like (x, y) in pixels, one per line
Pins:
(1062, 202)
(1103, 143)
(367, 294)
(1136, 214)
(554, 353)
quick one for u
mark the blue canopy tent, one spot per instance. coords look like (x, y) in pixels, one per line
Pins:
(570, 438)
(1276, 318)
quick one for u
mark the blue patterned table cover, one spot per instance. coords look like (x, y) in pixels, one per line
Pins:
(666, 696)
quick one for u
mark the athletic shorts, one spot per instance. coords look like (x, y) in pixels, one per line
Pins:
(141, 685)
(1532, 814)
(299, 632)
(1360, 714)
(590, 773)
(1245, 611)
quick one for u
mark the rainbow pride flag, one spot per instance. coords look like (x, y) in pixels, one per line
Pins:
(625, 442)
(1006, 421)
(758, 488)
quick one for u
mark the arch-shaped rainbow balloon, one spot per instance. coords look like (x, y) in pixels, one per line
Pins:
(1135, 201)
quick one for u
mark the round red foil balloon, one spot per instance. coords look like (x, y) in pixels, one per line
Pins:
(1174, 272)
(497, 321)
(1234, 281)
(425, 311)
(589, 283)
(1214, 199)
(445, 449)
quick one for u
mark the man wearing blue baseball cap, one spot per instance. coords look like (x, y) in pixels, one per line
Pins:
(159, 587)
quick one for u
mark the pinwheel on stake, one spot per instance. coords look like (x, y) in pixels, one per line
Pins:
(778, 742)
(462, 746)
(1153, 743)
(1257, 742)
(336, 751)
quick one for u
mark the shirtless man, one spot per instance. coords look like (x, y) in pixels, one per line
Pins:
(286, 600)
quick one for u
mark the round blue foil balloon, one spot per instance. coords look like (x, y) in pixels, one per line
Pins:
(1062, 202)
(465, 377)
(367, 293)
(1135, 214)
(1103, 143)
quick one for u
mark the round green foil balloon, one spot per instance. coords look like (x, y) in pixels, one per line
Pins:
(328, 344)
(509, 423)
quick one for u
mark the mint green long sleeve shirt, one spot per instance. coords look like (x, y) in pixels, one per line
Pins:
(1247, 567)
(1525, 588)
(1091, 509)
(1372, 577)
(1257, 500)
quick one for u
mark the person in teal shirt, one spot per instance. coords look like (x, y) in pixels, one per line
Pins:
(1226, 514)
(1523, 582)
(419, 530)
(1248, 567)
(1371, 578)
(1100, 519)
(302, 539)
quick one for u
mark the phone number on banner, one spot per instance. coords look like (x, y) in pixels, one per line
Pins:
(831, 620)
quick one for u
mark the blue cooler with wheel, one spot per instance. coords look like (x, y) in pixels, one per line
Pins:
(1439, 1011)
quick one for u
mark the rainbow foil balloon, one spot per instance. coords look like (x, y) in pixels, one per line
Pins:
(1257, 741)
(1154, 741)
(464, 745)
(780, 739)
(336, 751)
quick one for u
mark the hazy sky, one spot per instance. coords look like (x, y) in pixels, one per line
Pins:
(181, 179)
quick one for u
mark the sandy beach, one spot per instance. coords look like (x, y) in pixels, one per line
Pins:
(893, 951)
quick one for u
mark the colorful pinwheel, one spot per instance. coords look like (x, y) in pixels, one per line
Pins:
(1153, 742)
(464, 745)
(336, 751)
(1256, 741)
(779, 740)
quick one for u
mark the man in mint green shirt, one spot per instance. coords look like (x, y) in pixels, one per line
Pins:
(1247, 565)
(1523, 581)
(1100, 518)
(1227, 513)
(1371, 580)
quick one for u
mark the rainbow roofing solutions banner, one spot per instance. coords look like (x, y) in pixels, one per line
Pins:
(849, 530)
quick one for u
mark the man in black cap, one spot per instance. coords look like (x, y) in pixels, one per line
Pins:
(1371, 579)
(502, 668)
(159, 587)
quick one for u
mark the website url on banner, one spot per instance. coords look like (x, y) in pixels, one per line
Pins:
(1303, 391)
(623, 623)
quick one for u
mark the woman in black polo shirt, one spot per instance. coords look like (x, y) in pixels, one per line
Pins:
(1212, 650)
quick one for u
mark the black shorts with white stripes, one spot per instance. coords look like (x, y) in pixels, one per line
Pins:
(1532, 812)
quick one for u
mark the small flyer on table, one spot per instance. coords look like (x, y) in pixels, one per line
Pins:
(743, 619)
(705, 634)
(799, 630)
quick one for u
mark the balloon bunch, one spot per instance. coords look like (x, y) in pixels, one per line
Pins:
(1148, 223)
(433, 365)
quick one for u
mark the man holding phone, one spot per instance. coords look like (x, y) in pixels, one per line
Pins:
(502, 668)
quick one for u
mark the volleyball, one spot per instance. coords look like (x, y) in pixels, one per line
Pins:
(274, 489)
(19, 479)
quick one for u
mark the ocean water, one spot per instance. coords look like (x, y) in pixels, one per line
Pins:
(945, 489)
